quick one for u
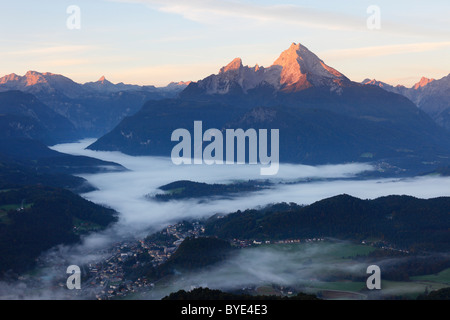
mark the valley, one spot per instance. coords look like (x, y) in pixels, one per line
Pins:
(173, 197)
(123, 267)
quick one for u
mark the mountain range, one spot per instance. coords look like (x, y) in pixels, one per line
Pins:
(322, 115)
(42, 109)
(93, 108)
(430, 95)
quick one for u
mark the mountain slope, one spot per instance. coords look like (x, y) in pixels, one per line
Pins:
(430, 95)
(13, 174)
(45, 217)
(405, 222)
(37, 156)
(93, 108)
(23, 115)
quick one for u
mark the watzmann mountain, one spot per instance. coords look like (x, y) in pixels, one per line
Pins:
(296, 69)
(323, 116)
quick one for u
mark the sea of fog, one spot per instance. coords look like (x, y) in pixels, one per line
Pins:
(125, 191)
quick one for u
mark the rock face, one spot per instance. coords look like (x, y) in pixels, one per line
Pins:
(296, 69)
(235, 77)
(302, 69)
(422, 83)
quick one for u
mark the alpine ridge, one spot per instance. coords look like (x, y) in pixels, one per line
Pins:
(430, 95)
(93, 108)
(323, 117)
(302, 69)
(296, 69)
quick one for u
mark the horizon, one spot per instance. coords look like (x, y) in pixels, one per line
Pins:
(103, 78)
(153, 42)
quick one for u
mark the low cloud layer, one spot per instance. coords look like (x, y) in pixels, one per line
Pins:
(126, 193)
(301, 266)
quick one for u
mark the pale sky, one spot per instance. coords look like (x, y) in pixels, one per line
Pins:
(154, 42)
